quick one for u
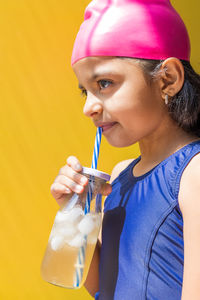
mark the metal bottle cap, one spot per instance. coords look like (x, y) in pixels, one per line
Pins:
(97, 173)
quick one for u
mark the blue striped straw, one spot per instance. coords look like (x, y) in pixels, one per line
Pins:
(94, 165)
(96, 148)
(81, 254)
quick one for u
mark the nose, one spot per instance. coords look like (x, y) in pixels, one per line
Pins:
(93, 106)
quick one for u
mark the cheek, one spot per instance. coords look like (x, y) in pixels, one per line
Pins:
(129, 100)
(138, 107)
(122, 100)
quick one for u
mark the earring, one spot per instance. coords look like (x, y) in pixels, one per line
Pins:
(166, 99)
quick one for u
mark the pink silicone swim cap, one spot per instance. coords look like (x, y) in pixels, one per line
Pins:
(149, 29)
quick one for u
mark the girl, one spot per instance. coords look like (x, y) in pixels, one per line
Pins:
(131, 58)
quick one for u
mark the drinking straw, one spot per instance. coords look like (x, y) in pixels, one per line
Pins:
(81, 254)
(94, 165)
(96, 148)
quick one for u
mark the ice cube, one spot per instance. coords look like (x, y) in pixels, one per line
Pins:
(87, 224)
(78, 241)
(66, 230)
(92, 237)
(75, 214)
(61, 217)
(57, 242)
(71, 215)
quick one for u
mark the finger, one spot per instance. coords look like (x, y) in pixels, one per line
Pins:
(106, 189)
(74, 163)
(58, 189)
(59, 192)
(74, 176)
(69, 183)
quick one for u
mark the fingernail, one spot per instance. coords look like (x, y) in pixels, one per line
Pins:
(78, 188)
(67, 191)
(77, 167)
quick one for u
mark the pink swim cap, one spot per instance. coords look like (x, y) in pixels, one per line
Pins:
(149, 29)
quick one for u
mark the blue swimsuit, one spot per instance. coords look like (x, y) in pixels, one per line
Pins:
(142, 252)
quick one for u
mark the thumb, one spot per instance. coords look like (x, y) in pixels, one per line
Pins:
(106, 189)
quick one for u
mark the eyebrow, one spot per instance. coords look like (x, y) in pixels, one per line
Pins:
(98, 74)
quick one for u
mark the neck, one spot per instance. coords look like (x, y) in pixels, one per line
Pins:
(161, 145)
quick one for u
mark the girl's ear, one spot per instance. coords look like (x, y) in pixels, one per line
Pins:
(172, 77)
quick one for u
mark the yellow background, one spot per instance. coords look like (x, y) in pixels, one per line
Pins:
(41, 124)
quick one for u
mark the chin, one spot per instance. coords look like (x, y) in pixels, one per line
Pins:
(120, 143)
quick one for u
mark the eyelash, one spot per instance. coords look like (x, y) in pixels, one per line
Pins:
(84, 91)
(104, 80)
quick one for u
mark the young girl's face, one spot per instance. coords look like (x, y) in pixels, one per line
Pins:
(120, 99)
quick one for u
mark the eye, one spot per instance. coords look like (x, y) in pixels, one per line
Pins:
(103, 84)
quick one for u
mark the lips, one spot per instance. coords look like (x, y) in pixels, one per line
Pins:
(106, 126)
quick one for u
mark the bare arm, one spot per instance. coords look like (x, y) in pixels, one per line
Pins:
(189, 199)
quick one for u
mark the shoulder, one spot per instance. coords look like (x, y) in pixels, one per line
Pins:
(189, 193)
(119, 168)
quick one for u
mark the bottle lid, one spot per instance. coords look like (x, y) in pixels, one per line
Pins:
(97, 173)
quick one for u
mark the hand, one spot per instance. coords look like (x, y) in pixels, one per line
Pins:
(70, 180)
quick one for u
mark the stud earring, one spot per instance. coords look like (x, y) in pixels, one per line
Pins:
(166, 99)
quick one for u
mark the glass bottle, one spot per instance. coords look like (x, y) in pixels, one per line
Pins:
(74, 234)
